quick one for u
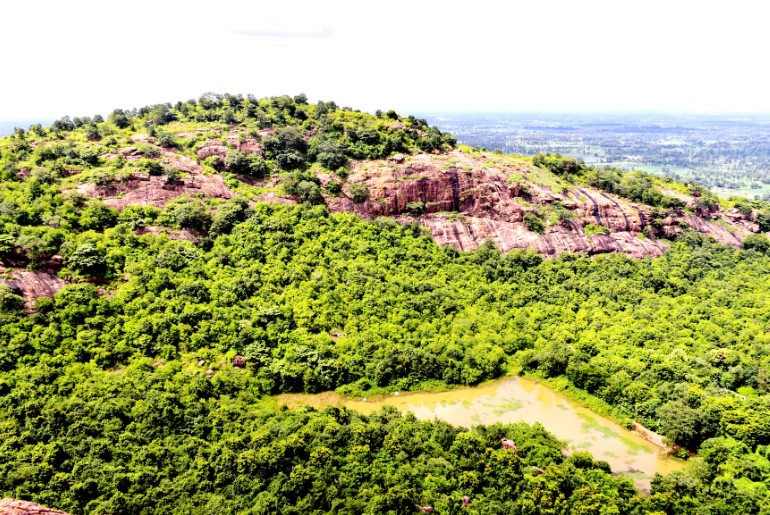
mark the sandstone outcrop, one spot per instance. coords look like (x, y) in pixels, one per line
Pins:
(31, 284)
(464, 201)
(16, 507)
(212, 147)
(144, 189)
(217, 147)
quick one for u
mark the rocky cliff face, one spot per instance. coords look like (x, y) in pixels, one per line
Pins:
(466, 200)
(463, 200)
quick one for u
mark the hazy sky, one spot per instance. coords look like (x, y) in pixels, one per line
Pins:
(82, 57)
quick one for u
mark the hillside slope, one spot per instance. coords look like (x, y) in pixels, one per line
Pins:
(287, 151)
(143, 385)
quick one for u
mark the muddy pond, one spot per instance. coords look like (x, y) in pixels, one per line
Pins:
(521, 400)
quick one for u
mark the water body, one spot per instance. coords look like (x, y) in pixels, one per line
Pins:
(521, 400)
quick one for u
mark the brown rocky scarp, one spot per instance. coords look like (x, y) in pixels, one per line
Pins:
(212, 147)
(219, 148)
(468, 233)
(31, 284)
(16, 507)
(420, 179)
(143, 189)
(464, 201)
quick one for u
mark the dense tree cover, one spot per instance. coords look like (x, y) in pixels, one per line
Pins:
(316, 301)
(161, 438)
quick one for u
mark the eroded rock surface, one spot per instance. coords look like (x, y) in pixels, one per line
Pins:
(144, 189)
(466, 200)
(16, 507)
(32, 285)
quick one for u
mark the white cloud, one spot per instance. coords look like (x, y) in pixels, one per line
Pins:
(83, 57)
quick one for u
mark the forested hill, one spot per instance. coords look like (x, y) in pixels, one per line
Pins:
(159, 289)
(285, 150)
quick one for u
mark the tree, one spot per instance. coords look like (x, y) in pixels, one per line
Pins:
(308, 191)
(680, 423)
(34, 248)
(88, 260)
(763, 220)
(119, 118)
(9, 299)
(6, 245)
(757, 242)
(329, 153)
(92, 133)
(246, 164)
(287, 147)
(98, 216)
(193, 215)
(227, 215)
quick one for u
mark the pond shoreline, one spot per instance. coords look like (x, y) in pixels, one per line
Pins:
(634, 454)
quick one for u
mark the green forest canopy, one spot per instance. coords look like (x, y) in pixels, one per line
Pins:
(104, 409)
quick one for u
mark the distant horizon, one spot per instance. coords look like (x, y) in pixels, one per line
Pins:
(449, 112)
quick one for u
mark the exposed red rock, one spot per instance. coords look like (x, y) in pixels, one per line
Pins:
(143, 189)
(468, 233)
(246, 145)
(217, 147)
(214, 147)
(464, 200)
(16, 507)
(467, 200)
(31, 284)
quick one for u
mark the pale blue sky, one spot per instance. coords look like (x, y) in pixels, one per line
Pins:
(84, 57)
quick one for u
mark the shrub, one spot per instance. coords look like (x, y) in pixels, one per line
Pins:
(592, 229)
(757, 242)
(166, 139)
(743, 207)
(415, 208)
(333, 187)
(533, 222)
(358, 193)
